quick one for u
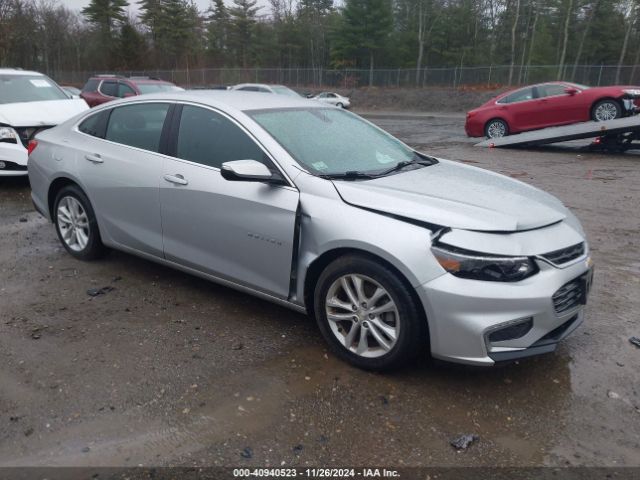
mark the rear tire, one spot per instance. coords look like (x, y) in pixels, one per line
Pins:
(607, 109)
(496, 128)
(76, 224)
(389, 330)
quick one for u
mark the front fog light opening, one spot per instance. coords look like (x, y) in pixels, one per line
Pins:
(511, 331)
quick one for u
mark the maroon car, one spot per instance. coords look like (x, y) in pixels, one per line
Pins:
(104, 88)
(550, 105)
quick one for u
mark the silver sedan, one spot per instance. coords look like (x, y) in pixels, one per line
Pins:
(333, 99)
(394, 252)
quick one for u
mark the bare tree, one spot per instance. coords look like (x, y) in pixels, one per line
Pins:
(631, 20)
(513, 41)
(565, 40)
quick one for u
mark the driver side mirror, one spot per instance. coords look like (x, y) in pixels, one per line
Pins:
(248, 171)
(571, 91)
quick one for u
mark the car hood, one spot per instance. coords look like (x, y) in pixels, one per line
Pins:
(453, 195)
(45, 113)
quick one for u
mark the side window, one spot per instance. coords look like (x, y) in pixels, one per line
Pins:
(91, 85)
(331, 95)
(248, 89)
(123, 89)
(109, 88)
(519, 96)
(208, 138)
(138, 125)
(552, 90)
(95, 125)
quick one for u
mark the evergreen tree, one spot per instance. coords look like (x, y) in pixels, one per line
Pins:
(132, 48)
(242, 26)
(218, 32)
(105, 14)
(364, 31)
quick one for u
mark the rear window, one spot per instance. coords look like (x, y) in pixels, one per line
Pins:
(519, 96)
(157, 87)
(91, 85)
(138, 126)
(109, 88)
(29, 88)
(95, 125)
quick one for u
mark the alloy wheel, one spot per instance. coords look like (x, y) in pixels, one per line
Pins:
(362, 315)
(496, 130)
(606, 111)
(73, 223)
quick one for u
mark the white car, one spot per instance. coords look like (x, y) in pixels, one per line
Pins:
(29, 103)
(333, 99)
(264, 88)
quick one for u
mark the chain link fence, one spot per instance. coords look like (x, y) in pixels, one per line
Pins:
(488, 76)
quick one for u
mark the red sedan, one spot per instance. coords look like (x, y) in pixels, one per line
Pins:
(549, 105)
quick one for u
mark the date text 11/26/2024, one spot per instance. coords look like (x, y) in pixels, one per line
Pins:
(315, 472)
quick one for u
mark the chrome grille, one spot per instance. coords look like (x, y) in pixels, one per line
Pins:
(565, 255)
(570, 295)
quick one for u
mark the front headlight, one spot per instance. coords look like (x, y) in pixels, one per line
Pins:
(634, 92)
(8, 135)
(482, 266)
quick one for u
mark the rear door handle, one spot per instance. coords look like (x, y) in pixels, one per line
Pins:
(177, 179)
(95, 158)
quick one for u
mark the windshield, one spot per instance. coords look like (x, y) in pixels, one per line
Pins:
(579, 86)
(332, 142)
(29, 88)
(157, 87)
(284, 91)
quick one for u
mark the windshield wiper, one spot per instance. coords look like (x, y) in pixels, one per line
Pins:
(350, 175)
(400, 165)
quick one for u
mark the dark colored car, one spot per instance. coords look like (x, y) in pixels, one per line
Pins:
(550, 105)
(104, 88)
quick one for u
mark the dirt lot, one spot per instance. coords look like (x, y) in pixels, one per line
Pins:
(168, 369)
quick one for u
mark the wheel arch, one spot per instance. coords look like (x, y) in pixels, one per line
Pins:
(601, 99)
(317, 266)
(55, 187)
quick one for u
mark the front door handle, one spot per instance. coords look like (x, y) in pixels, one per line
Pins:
(95, 158)
(177, 179)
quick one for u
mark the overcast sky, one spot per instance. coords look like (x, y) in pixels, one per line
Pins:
(133, 7)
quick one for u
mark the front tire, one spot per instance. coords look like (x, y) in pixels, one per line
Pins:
(367, 314)
(607, 109)
(496, 128)
(339, 105)
(76, 224)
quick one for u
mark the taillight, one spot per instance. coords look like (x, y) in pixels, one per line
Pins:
(32, 146)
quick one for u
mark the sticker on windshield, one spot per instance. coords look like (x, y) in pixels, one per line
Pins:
(384, 159)
(320, 165)
(40, 83)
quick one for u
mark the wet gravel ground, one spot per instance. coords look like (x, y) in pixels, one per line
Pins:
(168, 369)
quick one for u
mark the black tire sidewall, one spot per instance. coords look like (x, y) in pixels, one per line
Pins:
(412, 336)
(94, 248)
(496, 120)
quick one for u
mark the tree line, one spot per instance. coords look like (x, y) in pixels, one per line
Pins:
(368, 34)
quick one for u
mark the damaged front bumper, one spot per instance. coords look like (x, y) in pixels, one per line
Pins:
(13, 159)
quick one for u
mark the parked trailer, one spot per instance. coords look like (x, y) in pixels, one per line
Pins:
(613, 135)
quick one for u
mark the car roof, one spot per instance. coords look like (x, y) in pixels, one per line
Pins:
(267, 85)
(130, 79)
(18, 71)
(233, 99)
